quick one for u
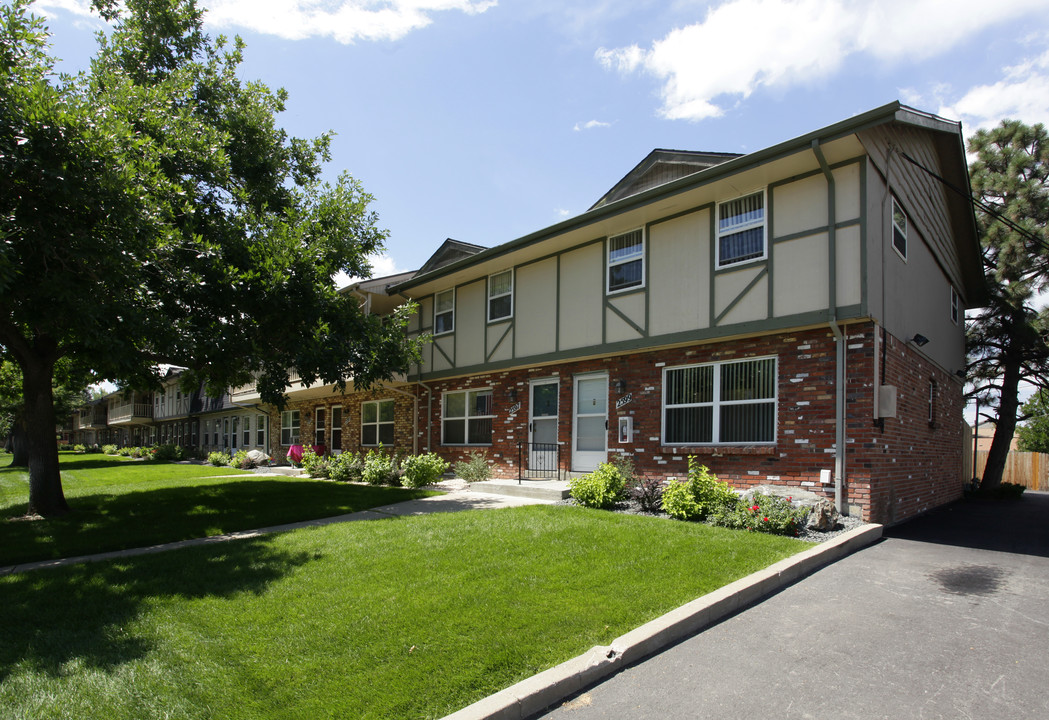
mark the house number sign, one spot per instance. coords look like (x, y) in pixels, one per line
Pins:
(515, 408)
(625, 400)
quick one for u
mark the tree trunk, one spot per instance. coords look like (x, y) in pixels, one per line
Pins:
(19, 446)
(45, 483)
(1008, 405)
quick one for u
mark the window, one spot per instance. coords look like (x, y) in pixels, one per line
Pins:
(626, 261)
(289, 427)
(899, 229)
(260, 431)
(318, 428)
(377, 423)
(336, 427)
(956, 306)
(247, 431)
(225, 432)
(500, 295)
(467, 418)
(741, 229)
(720, 403)
(932, 403)
(233, 435)
(444, 312)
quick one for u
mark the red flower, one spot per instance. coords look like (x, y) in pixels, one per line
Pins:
(755, 508)
(765, 519)
(789, 498)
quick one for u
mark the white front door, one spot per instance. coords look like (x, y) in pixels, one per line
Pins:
(542, 425)
(590, 429)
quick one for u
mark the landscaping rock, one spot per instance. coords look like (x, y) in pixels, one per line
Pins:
(258, 457)
(823, 516)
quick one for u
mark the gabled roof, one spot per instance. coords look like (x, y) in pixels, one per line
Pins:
(949, 140)
(659, 168)
(449, 252)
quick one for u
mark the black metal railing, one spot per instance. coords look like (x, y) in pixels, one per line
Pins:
(542, 460)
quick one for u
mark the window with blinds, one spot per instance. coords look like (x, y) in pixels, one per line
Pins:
(626, 261)
(444, 312)
(466, 417)
(500, 295)
(720, 403)
(741, 229)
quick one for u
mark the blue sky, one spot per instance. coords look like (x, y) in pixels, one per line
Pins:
(485, 120)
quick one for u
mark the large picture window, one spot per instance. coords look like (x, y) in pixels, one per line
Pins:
(500, 295)
(444, 312)
(720, 403)
(467, 418)
(741, 229)
(289, 427)
(626, 261)
(377, 423)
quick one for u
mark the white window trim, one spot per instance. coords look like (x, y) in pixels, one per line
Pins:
(609, 263)
(467, 417)
(716, 404)
(261, 423)
(764, 225)
(435, 313)
(339, 427)
(245, 432)
(291, 429)
(905, 231)
(320, 423)
(491, 297)
(378, 423)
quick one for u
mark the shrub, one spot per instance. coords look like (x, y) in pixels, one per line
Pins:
(346, 467)
(420, 470)
(763, 513)
(171, 453)
(1011, 491)
(315, 465)
(600, 489)
(123, 452)
(647, 493)
(79, 448)
(108, 449)
(475, 469)
(218, 458)
(698, 496)
(378, 468)
(139, 452)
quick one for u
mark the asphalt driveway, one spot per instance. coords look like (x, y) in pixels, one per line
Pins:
(947, 617)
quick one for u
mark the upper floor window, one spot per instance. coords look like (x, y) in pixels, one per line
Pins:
(956, 306)
(720, 403)
(466, 417)
(741, 229)
(377, 423)
(500, 295)
(626, 261)
(899, 229)
(444, 312)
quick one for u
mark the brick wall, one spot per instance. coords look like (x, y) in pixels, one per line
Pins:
(351, 420)
(894, 469)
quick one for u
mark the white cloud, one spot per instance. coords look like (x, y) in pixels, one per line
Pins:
(744, 45)
(382, 266)
(1022, 94)
(343, 20)
(590, 125)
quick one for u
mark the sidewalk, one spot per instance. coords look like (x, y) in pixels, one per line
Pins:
(458, 497)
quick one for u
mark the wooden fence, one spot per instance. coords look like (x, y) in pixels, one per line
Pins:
(1023, 468)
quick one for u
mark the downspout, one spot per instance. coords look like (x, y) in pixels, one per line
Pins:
(429, 412)
(839, 336)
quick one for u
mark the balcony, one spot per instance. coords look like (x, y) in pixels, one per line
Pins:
(130, 414)
(95, 420)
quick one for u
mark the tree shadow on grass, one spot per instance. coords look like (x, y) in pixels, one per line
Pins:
(101, 522)
(82, 613)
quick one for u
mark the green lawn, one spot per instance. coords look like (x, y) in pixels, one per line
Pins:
(402, 618)
(120, 503)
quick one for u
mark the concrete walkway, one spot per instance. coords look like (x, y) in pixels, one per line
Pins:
(458, 496)
(945, 618)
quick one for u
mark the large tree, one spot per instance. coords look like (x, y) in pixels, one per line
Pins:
(153, 211)
(69, 391)
(1007, 341)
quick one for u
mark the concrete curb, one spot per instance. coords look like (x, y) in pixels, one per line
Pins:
(539, 692)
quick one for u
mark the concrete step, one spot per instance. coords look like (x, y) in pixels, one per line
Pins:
(550, 490)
